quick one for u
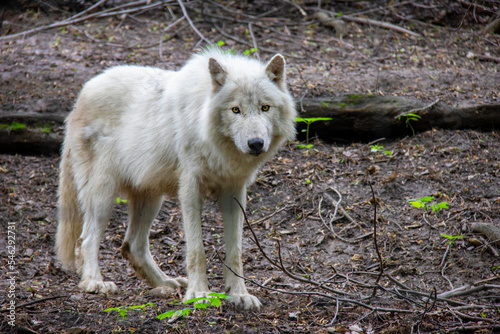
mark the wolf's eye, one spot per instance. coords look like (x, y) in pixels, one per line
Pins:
(265, 108)
(236, 110)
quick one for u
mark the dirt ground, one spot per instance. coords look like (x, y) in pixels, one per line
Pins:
(328, 248)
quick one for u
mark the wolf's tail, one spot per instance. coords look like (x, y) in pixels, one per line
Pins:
(69, 215)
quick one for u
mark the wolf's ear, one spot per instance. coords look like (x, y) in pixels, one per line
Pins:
(275, 70)
(217, 72)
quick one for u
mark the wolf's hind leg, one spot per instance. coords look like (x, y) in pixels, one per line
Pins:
(97, 206)
(143, 208)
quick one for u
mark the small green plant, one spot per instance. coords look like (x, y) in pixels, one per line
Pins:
(379, 148)
(220, 44)
(123, 310)
(249, 51)
(308, 122)
(425, 203)
(200, 303)
(451, 238)
(409, 117)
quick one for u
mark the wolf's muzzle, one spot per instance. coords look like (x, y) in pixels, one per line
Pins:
(256, 145)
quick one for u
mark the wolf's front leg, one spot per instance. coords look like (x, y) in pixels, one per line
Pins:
(233, 230)
(196, 263)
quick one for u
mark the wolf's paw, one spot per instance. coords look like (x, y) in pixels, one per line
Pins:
(172, 283)
(169, 287)
(183, 281)
(246, 301)
(96, 286)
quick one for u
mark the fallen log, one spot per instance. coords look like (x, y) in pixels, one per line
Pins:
(369, 117)
(353, 118)
(31, 133)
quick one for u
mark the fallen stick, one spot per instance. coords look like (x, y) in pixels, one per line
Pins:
(490, 231)
(77, 18)
(376, 23)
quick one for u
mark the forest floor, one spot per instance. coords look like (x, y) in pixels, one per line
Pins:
(439, 273)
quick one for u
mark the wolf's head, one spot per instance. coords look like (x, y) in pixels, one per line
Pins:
(253, 106)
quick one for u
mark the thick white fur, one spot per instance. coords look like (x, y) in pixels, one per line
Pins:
(147, 132)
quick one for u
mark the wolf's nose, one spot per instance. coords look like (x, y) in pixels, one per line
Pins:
(255, 145)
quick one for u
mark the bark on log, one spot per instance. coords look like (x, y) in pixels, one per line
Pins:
(354, 118)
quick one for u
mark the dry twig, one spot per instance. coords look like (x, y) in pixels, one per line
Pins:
(78, 18)
(191, 23)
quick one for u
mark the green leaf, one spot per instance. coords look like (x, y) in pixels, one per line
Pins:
(304, 146)
(111, 309)
(439, 206)
(220, 43)
(140, 306)
(168, 314)
(195, 300)
(218, 295)
(413, 116)
(310, 120)
(215, 301)
(417, 204)
(376, 148)
(425, 199)
(123, 312)
(186, 311)
(451, 237)
(201, 306)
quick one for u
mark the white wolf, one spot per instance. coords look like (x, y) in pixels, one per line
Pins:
(145, 132)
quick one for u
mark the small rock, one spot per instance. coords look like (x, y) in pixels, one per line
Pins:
(355, 329)
(77, 296)
(293, 315)
(475, 242)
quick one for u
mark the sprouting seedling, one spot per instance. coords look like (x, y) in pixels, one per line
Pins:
(451, 238)
(123, 310)
(308, 122)
(249, 51)
(425, 203)
(379, 148)
(199, 303)
(409, 117)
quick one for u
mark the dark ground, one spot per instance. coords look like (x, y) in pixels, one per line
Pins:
(43, 72)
